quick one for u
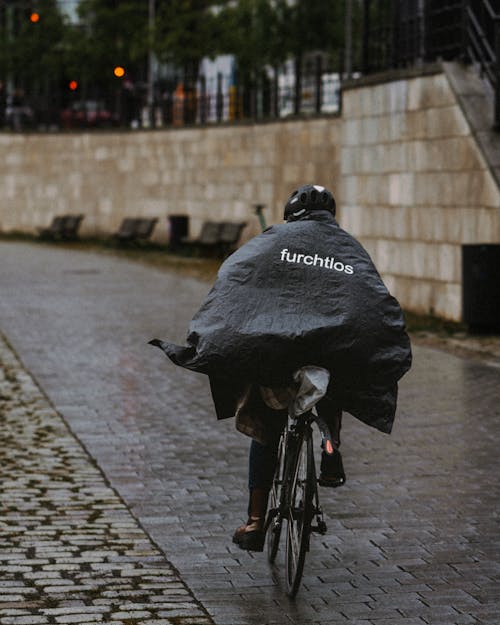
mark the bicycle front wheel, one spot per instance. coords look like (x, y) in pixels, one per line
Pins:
(299, 513)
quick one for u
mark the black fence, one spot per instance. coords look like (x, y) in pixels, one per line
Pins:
(405, 33)
(408, 33)
(217, 100)
(273, 97)
(482, 23)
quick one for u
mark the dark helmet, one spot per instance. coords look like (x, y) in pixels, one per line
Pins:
(308, 198)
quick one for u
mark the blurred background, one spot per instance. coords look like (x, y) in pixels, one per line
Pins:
(67, 64)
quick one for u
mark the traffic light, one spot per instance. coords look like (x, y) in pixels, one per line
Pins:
(73, 85)
(34, 17)
(119, 71)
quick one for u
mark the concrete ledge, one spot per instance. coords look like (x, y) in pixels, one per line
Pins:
(391, 75)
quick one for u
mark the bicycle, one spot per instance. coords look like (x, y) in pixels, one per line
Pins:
(294, 496)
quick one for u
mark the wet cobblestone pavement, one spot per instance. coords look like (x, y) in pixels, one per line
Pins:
(70, 550)
(413, 537)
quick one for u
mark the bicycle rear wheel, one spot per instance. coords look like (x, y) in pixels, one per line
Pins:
(274, 519)
(299, 513)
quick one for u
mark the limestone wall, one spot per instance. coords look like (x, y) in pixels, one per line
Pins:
(415, 186)
(217, 173)
(410, 180)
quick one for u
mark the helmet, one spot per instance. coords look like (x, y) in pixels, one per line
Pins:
(308, 198)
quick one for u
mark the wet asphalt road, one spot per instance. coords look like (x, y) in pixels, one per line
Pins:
(413, 537)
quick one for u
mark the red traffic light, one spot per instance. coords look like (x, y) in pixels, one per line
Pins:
(73, 85)
(34, 17)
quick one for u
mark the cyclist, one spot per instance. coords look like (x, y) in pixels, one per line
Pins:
(305, 203)
(301, 293)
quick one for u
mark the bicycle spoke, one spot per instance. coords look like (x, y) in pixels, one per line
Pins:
(274, 520)
(292, 537)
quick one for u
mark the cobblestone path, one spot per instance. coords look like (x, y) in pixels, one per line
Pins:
(70, 550)
(413, 537)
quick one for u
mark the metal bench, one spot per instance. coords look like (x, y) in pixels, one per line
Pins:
(133, 229)
(63, 227)
(216, 238)
(229, 236)
(144, 228)
(71, 226)
(207, 241)
(126, 229)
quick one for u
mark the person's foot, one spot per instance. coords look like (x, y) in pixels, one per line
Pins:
(332, 470)
(250, 536)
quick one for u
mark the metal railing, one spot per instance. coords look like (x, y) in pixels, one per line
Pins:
(483, 45)
(404, 33)
(178, 106)
(408, 33)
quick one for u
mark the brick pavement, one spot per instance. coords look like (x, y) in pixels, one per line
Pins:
(413, 537)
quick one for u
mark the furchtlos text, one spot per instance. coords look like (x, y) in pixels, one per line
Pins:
(326, 262)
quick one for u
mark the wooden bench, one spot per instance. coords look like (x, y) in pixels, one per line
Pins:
(63, 227)
(133, 229)
(216, 237)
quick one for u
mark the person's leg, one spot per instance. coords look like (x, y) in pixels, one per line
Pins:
(332, 469)
(261, 464)
(261, 467)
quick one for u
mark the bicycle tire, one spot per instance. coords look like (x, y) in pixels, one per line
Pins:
(274, 519)
(299, 512)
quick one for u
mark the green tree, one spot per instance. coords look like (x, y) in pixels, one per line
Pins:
(31, 44)
(30, 55)
(112, 33)
(315, 26)
(265, 33)
(185, 32)
(254, 31)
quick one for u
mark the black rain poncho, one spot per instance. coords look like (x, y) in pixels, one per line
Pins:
(300, 293)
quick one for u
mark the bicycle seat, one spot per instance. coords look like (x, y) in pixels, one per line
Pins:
(312, 384)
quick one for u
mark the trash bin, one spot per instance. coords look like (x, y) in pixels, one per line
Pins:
(178, 227)
(481, 286)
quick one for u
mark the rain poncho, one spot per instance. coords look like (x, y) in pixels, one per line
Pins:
(300, 293)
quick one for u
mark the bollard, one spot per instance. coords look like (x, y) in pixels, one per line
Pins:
(259, 212)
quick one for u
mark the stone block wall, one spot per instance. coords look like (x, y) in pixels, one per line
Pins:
(205, 173)
(415, 186)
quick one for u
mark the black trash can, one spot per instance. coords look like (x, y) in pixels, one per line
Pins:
(178, 227)
(481, 286)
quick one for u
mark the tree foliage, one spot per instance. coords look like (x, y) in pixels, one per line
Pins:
(185, 31)
(252, 30)
(267, 32)
(259, 33)
(113, 33)
(31, 48)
